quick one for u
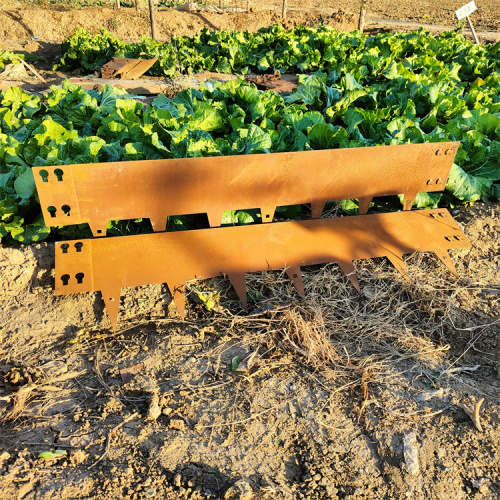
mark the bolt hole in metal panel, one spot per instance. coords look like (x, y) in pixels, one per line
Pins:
(99, 192)
(109, 264)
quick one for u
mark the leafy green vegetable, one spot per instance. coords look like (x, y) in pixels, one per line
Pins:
(360, 91)
(353, 58)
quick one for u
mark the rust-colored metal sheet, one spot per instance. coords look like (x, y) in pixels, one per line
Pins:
(109, 264)
(126, 67)
(98, 192)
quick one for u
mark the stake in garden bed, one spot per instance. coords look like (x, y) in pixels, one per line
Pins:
(466, 11)
(152, 15)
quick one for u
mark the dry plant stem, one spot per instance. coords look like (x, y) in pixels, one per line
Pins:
(331, 427)
(101, 380)
(33, 70)
(474, 413)
(51, 445)
(110, 433)
(21, 399)
(255, 415)
(409, 414)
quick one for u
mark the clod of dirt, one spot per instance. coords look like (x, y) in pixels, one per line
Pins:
(54, 369)
(14, 72)
(178, 481)
(178, 424)
(78, 457)
(20, 375)
(154, 410)
(242, 490)
(4, 457)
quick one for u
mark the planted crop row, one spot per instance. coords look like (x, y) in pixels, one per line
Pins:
(414, 99)
(299, 50)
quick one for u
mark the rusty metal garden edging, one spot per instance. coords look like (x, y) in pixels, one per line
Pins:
(109, 264)
(156, 189)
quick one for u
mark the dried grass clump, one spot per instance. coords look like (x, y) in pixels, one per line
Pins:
(336, 328)
(309, 337)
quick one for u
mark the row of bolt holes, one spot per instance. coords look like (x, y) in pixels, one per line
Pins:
(44, 174)
(447, 152)
(78, 245)
(79, 276)
(432, 181)
(66, 277)
(65, 208)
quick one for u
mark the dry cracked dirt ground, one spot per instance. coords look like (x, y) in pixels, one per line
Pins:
(348, 396)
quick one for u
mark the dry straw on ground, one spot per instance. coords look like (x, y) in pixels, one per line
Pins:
(338, 330)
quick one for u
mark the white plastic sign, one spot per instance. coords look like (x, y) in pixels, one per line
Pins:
(466, 10)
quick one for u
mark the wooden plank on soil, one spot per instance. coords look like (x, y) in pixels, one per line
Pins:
(140, 87)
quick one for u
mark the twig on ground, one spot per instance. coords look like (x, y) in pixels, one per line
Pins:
(110, 434)
(421, 413)
(474, 413)
(255, 415)
(101, 380)
(33, 70)
(21, 399)
(331, 427)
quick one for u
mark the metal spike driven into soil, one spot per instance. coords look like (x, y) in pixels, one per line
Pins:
(109, 264)
(99, 192)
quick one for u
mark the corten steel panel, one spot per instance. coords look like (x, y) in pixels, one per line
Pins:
(109, 264)
(155, 189)
(126, 67)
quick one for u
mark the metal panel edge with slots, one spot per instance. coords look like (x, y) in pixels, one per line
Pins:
(99, 192)
(109, 264)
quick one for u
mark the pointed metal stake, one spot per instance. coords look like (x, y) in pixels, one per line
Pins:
(445, 259)
(159, 222)
(409, 199)
(179, 299)
(398, 262)
(267, 213)
(364, 204)
(348, 269)
(239, 283)
(98, 229)
(295, 276)
(111, 298)
(214, 218)
(317, 209)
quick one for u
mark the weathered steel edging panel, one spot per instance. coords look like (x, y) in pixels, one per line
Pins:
(109, 264)
(98, 192)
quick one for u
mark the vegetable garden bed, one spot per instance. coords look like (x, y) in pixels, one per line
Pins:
(354, 90)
